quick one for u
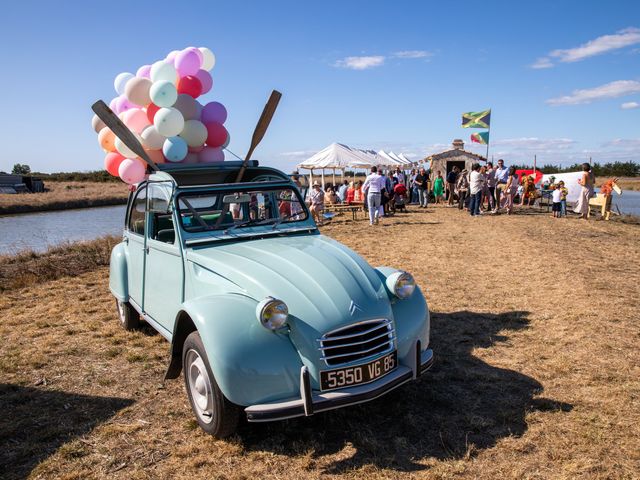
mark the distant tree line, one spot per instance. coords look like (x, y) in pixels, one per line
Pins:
(615, 169)
(95, 176)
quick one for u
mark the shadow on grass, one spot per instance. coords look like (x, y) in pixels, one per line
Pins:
(35, 422)
(460, 406)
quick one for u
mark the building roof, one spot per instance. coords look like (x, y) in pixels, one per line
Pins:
(455, 152)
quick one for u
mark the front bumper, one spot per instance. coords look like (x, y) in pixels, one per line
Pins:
(309, 402)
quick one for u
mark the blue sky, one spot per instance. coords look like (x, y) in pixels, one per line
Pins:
(392, 75)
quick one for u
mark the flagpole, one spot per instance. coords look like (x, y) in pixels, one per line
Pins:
(489, 139)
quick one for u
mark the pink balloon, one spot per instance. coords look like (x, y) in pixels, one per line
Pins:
(132, 171)
(205, 80)
(113, 105)
(191, 158)
(187, 63)
(213, 112)
(123, 104)
(196, 149)
(198, 52)
(144, 71)
(136, 119)
(210, 155)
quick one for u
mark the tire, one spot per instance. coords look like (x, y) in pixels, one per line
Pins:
(129, 317)
(215, 414)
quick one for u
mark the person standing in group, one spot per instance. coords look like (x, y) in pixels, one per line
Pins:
(422, 182)
(386, 193)
(501, 178)
(342, 191)
(462, 188)
(399, 175)
(563, 198)
(476, 185)
(510, 190)
(556, 197)
(413, 188)
(373, 186)
(438, 187)
(491, 187)
(452, 178)
(316, 202)
(586, 192)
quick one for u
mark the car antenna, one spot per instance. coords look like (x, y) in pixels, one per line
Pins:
(261, 128)
(121, 131)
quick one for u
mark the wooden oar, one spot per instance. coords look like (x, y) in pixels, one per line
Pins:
(261, 128)
(121, 131)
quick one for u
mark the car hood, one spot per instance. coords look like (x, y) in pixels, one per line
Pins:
(325, 284)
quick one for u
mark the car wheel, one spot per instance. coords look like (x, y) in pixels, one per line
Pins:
(129, 317)
(215, 414)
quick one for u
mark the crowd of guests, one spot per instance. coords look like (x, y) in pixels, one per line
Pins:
(482, 189)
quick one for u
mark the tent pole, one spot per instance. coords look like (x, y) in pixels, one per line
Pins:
(334, 177)
(322, 179)
(310, 179)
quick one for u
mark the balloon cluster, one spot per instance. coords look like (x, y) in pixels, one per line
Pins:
(159, 105)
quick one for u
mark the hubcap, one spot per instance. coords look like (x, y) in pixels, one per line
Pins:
(199, 386)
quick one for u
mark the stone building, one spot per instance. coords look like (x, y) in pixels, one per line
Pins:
(457, 156)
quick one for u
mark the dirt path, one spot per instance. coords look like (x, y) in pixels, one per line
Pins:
(537, 374)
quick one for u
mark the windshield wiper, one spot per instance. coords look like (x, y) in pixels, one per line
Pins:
(240, 224)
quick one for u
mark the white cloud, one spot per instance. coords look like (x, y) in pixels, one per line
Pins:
(603, 44)
(360, 63)
(630, 105)
(412, 54)
(615, 89)
(542, 62)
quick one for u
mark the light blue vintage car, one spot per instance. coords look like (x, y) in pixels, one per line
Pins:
(265, 315)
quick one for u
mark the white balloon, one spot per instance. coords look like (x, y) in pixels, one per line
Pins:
(121, 80)
(124, 150)
(163, 71)
(194, 133)
(208, 58)
(151, 139)
(168, 121)
(97, 124)
(163, 93)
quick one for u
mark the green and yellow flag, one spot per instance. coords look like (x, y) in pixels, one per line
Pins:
(476, 119)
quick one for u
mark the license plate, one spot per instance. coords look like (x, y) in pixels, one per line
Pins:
(359, 374)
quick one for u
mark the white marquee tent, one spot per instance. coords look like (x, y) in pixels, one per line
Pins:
(338, 156)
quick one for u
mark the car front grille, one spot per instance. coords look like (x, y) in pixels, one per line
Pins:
(357, 341)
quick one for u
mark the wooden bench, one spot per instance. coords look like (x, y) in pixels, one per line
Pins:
(341, 208)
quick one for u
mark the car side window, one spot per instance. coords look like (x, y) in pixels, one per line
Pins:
(138, 210)
(161, 228)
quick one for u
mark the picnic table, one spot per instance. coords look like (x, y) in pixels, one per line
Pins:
(354, 208)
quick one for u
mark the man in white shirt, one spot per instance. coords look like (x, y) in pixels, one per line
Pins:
(476, 185)
(501, 178)
(373, 186)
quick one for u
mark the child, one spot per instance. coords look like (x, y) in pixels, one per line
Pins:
(563, 198)
(556, 197)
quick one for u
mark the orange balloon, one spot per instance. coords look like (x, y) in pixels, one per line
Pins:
(107, 140)
(155, 155)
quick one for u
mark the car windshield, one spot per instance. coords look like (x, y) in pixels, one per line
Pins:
(235, 209)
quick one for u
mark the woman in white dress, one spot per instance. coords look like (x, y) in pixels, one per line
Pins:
(586, 192)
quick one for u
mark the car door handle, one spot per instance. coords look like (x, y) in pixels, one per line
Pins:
(146, 249)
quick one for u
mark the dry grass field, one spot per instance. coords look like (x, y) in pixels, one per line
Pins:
(537, 373)
(62, 195)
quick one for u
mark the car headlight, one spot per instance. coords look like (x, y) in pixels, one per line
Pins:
(401, 284)
(272, 313)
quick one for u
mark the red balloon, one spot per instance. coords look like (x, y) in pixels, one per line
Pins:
(112, 162)
(152, 109)
(216, 134)
(190, 85)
